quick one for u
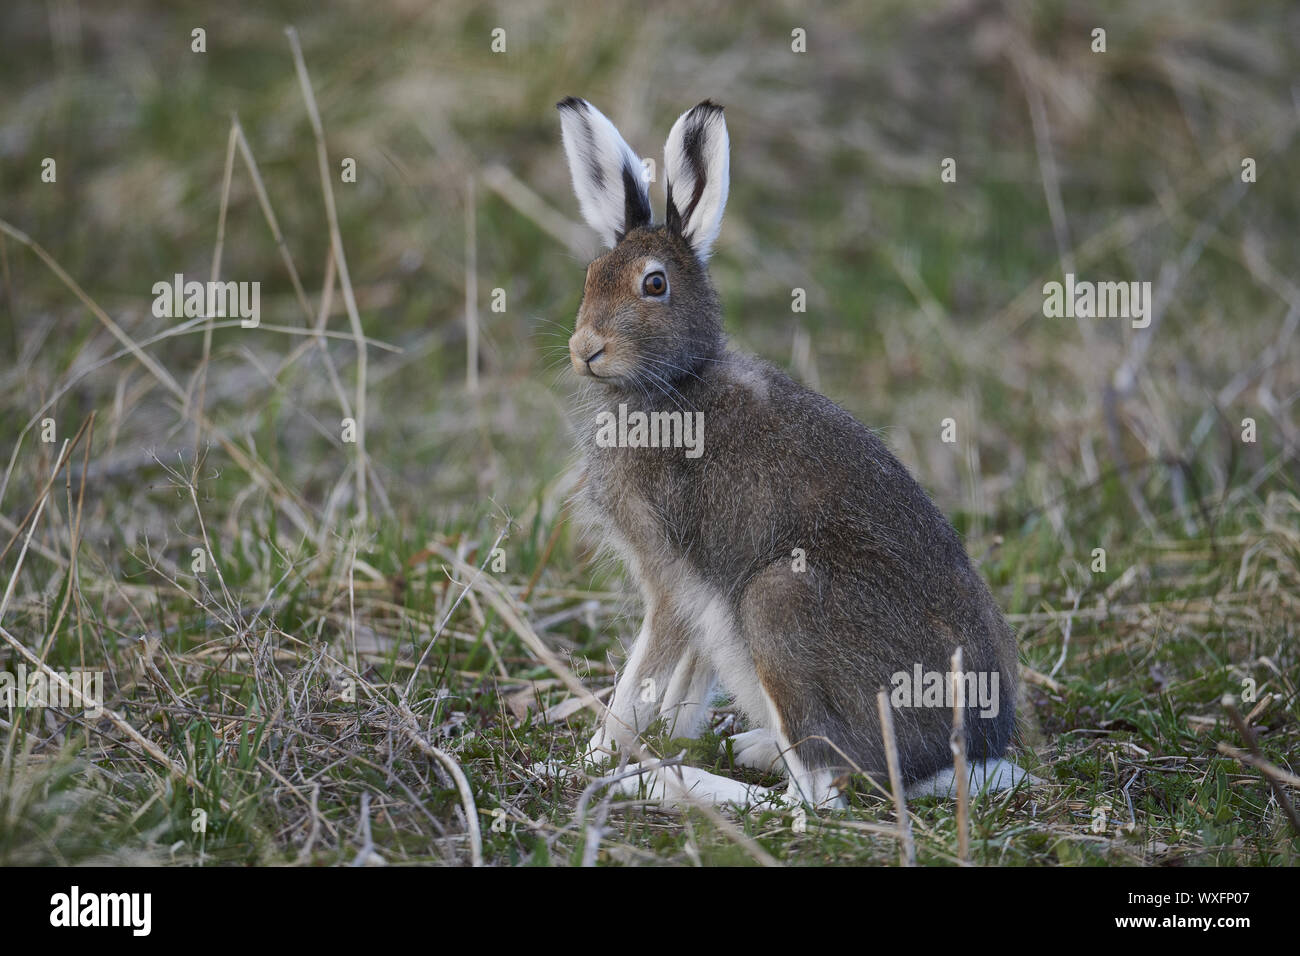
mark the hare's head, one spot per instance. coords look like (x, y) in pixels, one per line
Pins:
(649, 315)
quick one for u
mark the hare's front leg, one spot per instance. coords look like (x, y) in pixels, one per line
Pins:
(664, 677)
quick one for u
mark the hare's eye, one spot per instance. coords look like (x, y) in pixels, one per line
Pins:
(656, 284)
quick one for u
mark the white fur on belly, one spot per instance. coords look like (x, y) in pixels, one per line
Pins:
(718, 638)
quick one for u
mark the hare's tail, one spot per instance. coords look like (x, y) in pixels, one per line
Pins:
(991, 775)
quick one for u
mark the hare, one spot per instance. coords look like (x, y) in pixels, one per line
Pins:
(790, 560)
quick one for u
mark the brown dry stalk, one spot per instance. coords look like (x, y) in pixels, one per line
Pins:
(74, 545)
(1269, 769)
(958, 744)
(345, 280)
(457, 774)
(906, 846)
(214, 274)
(48, 485)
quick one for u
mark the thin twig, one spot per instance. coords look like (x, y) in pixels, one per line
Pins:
(22, 552)
(471, 288)
(367, 841)
(213, 274)
(1270, 769)
(74, 545)
(263, 200)
(906, 847)
(345, 280)
(957, 742)
(458, 775)
(1065, 636)
(49, 483)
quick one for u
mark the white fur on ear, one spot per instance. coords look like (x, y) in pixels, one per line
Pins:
(606, 173)
(696, 174)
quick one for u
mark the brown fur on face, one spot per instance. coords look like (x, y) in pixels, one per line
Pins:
(638, 342)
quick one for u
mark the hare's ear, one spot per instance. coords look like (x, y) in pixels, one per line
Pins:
(606, 173)
(696, 174)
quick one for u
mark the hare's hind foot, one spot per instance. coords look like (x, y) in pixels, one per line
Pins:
(683, 787)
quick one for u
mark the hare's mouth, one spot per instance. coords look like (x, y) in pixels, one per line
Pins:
(609, 379)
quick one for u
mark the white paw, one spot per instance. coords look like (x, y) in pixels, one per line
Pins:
(757, 749)
(684, 786)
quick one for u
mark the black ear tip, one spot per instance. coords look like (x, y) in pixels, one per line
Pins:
(708, 106)
(571, 103)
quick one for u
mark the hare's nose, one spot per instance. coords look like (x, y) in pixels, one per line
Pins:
(585, 349)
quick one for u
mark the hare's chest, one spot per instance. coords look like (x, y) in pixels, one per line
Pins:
(635, 522)
(616, 508)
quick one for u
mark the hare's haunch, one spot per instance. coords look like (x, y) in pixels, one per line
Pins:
(784, 554)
